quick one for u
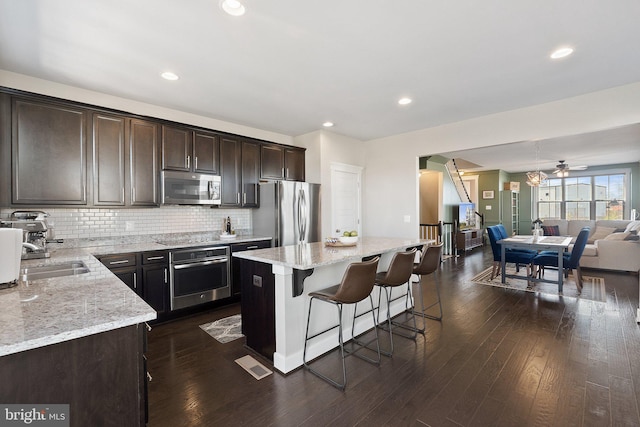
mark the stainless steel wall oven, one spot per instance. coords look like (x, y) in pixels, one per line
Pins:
(199, 275)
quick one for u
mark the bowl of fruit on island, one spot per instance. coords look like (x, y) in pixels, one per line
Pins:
(349, 237)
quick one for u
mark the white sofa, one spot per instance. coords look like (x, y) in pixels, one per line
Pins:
(606, 248)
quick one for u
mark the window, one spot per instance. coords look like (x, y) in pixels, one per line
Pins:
(583, 197)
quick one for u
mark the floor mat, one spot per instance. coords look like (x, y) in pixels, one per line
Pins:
(225, 330)
(593, 287)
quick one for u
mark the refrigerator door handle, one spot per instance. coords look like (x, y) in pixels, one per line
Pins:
(302, 208)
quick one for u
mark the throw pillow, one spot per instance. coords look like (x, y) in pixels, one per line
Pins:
(551, 230)
(617, 236)
(633, 226)
(600, 233)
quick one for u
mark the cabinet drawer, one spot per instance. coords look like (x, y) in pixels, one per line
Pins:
(155, 257)
(249, 246)
(117, 261)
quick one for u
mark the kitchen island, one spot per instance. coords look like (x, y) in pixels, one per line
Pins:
(275, 287)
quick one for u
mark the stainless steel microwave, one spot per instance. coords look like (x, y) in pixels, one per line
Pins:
(186, 188)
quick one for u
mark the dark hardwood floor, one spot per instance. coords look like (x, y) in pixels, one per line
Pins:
(497, 358)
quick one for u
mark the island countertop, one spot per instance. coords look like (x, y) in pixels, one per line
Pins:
(311, 255)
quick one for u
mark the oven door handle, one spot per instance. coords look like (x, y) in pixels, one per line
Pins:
(199, 264)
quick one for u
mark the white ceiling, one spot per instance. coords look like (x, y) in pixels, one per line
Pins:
(289, 65)
(611, 146)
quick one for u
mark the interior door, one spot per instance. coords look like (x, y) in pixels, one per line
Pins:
(345, 198)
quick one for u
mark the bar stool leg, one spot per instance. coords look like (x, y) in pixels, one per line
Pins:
(334, 383)
(438, 303)
(367, 344)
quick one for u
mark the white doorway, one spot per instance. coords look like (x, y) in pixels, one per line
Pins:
(470, 182)
(346, 199)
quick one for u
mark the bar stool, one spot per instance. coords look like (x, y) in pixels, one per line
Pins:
(356, 285)
(398, 274)
(429, 262)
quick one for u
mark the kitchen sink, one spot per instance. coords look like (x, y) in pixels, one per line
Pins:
(69, 268)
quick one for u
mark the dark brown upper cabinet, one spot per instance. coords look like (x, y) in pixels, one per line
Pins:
(177, 146)
(250, 174)
(294, 164)
(190, 151)
(206, 152)
(109, 140)
(230, 169)
(282, 163)
(143, 163)
(48, 142)
(240, 172)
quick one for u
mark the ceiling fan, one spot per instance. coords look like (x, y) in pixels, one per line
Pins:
(562, 169)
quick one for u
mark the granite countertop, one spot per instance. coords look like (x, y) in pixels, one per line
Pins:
(110, 246)
(48, 311)
(311, 255)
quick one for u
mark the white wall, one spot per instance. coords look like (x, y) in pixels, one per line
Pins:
(391, 189)
(390, 183)
(323, 149)
(45, 87)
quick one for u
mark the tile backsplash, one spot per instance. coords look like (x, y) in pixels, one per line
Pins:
(78, 223)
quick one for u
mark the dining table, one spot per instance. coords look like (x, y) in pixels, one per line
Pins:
(557, 244)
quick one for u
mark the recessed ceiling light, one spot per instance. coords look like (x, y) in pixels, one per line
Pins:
(327, 124)
(232, 7)
(168, 75)
(404, 101)
(561, 53)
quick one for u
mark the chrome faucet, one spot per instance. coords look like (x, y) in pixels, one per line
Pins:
(34, 248)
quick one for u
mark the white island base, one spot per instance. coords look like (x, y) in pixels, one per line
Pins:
(328, 265)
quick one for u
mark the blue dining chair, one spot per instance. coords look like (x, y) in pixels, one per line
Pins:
(519, 257)
(570, 260)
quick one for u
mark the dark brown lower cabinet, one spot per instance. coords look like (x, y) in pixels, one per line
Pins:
(102, 377)
(236, 289)
(258, 304)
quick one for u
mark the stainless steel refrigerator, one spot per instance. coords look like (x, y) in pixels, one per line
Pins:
(289, 212)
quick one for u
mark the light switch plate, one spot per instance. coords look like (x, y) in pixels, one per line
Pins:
(488, 207)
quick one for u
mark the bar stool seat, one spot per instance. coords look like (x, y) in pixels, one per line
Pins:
(398, 274)
(356, 285)
(429, 263)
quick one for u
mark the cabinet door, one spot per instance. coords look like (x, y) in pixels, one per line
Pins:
(176, 148)
(143, 163)
(49, 158)
(294, 164)
(258, 306)
(206, 153)
(272, 165)
(129, 275)
(230, 167)
(250, 173)
(155, 286)
(108, 159)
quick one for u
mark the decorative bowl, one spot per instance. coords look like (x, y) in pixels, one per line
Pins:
(346, 240)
